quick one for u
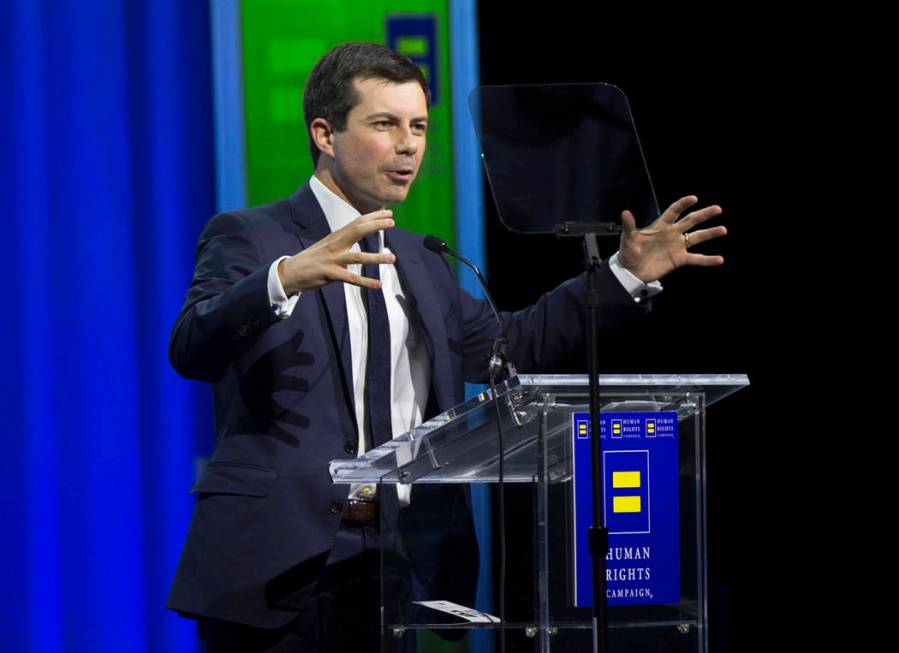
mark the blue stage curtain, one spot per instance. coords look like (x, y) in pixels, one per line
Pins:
(106, 178)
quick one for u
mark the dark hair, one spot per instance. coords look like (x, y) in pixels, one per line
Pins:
(330, 93)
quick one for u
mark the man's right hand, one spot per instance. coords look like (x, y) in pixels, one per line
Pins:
(327, 260)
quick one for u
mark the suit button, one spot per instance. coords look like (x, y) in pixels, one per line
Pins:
(351, 447)
(336, 508)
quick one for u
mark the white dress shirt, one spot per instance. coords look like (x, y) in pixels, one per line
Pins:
(410, 369)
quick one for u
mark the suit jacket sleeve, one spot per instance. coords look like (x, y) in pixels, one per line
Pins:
(549, 331)
(227, 303)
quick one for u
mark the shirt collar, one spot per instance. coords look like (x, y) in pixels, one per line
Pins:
(337, 211)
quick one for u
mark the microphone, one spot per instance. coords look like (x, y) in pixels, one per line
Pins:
(498, 362)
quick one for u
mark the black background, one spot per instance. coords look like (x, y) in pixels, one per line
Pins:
(690, 93)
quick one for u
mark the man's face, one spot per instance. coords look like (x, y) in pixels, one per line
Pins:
(377, 156)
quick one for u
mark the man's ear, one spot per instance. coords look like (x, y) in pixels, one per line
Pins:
(322, 135)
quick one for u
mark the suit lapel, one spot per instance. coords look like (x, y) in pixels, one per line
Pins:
(309, 217)
(416, 283)
(420, 293)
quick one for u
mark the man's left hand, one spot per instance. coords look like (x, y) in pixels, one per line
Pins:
(651, 253)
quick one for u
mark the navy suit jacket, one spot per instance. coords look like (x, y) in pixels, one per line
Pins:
(266, 512)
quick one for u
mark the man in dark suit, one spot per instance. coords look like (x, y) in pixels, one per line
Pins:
(325, 332)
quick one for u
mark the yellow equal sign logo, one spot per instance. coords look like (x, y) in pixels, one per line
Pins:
(616, 428)
(582, 429)
(650, 428)
(626, 503)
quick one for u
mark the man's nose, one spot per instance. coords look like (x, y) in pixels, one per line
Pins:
(406, 143)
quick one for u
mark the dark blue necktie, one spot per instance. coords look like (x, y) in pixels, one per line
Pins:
(377, 370)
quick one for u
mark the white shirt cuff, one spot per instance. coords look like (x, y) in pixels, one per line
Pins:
(637, 289)
(281, 303)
